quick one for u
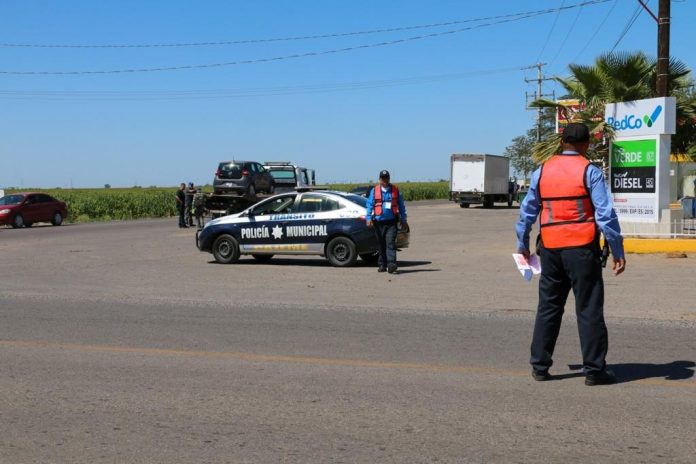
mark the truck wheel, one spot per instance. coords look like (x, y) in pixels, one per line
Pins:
(226, 249)
(510, 203)
(262, 258)
(252, 191)
(341, 252)
(487, 202)
(370, 258)
(463, 205)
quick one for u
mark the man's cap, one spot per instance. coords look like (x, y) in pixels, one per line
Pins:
(384, 174)
(190, 184)
(576, 132)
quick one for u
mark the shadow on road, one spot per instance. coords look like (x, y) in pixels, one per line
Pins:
(321, 262)
(676, 370)
(630, 372)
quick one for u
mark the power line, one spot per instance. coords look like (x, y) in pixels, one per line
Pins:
(570, 30)
(596, 31)
(298, 38)
(548, 36)
(631, 21)
(294, 56)
(240, 93)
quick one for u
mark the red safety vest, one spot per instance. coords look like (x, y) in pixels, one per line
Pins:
(567, 214)
(379, 201)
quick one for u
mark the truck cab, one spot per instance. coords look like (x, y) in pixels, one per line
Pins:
(288, 176)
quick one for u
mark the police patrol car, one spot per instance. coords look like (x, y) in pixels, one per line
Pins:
(325, 223)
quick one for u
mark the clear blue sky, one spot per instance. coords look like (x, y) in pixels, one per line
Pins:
(136, 128)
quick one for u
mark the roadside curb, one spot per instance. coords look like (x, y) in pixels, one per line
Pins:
(659, 245)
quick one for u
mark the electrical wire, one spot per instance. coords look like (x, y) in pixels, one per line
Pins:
(570, 30)
(116, 95)
(298, 38)
(596, 31)
(631, 21)
(294, 56)
(548, 36)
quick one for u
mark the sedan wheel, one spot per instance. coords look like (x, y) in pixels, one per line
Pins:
(341, 252)
(57, 219)
(226, 249)
(18, 221)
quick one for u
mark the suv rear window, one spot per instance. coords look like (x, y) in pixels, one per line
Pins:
(230, 171)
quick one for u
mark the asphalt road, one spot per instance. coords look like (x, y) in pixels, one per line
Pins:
(121, 343)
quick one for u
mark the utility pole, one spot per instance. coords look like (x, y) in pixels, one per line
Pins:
(539, 93)
(663, 48)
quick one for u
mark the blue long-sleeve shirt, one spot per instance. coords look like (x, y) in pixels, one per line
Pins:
(605, 216)
(387, 213)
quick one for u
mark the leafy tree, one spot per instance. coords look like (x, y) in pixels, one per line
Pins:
(522, 147)
(617, 77)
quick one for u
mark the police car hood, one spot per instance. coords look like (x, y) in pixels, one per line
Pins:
(223, 220)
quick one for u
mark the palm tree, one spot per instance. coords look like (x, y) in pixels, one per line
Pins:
(618, 77)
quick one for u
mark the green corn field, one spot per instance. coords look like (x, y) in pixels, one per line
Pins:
(85, 205)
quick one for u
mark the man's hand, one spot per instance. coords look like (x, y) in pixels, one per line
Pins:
(370, 223)
(619, 266)
(524, 253)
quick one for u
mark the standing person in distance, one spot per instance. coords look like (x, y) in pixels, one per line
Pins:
(574, 203)
(188, 204)
(385, 210)
(181, 204)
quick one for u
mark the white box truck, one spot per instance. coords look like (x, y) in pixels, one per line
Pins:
(480, 179)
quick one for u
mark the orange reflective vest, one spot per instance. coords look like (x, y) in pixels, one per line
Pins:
(567, 214)
(379, 201)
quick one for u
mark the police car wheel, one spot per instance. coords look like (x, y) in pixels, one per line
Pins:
(341, 252)
(370, 258)
(262, 258)
(226, 249)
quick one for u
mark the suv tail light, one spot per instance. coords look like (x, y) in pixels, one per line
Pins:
(217, 173)
(245, 172)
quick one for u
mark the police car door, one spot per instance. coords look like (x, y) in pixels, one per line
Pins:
(261, 229)
(317, 211)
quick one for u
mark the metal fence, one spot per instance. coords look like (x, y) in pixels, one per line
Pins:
(684, 228)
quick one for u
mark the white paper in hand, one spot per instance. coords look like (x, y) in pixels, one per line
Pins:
(527, 268)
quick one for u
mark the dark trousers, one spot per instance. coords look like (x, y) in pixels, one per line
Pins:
(386, 236)
(188, 214)
(561, 270)
(182, 221)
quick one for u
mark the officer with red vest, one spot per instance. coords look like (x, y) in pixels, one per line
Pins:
(385, 210)
(572, 199)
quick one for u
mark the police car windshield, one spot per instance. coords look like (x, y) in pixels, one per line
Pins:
(357, 199)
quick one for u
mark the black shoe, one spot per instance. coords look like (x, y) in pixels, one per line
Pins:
(381, 269)
(391, 268)
(606, 377)
(541, 376)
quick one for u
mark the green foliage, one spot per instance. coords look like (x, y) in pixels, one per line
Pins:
(106, 204)
(521, 149)
(86, 205)
(619, 77)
